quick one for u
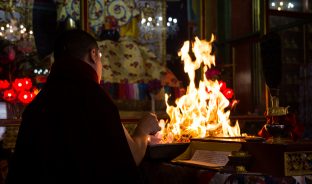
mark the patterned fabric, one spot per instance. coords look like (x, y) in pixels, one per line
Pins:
(128, 61)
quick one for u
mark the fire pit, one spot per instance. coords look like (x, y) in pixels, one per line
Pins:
(203, 111)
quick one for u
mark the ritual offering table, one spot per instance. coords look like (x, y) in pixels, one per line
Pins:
(284, 158)
(249, 157)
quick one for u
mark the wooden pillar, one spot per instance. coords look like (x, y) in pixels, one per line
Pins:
(264, 27)
(84, 15)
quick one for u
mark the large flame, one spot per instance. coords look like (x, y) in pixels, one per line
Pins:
(201, 112)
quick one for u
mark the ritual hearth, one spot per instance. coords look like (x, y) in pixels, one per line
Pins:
(257, 157)
(200, 134)
(204, 109)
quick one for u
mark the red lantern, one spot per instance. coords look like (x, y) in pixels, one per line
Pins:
(19, 84)
(222, 85)
(4, 84)
(228, 93)
(9, 95)
(25, 97)
(27, 83)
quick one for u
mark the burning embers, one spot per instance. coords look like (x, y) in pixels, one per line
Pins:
(202, 111)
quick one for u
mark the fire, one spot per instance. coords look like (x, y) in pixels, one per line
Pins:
(201, 112)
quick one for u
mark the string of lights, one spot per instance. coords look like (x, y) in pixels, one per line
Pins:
(283, 5)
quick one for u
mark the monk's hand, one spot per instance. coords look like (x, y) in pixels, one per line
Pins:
(149, 124)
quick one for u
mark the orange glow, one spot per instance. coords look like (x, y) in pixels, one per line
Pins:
(201, 112)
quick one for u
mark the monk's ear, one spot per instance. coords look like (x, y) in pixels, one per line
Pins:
(93, 55)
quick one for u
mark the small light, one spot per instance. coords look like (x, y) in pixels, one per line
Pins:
(148, 24)
(157, 24)
(2, 28)
(7, 25)
(19, 84)
(11, 30)
(143, 21)
(25, 96)
(35, 71)
(170, 19)
(168, 24)
(281, 3)
(22, 26)
(150, 19)
(31, 32)
(160, 18)
(290, 5)
(175, 20)
(279, 8)
(9, 94)
(273, 4)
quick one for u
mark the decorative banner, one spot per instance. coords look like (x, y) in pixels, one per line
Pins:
(72, 9)
(96, 13)
(120, 11)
